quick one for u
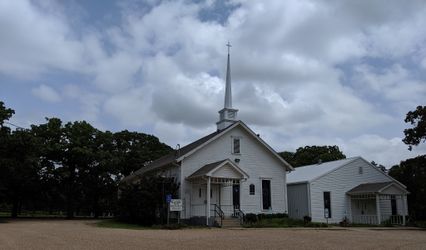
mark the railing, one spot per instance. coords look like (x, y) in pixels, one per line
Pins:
(393, 220)
(364, 219)
(217, 211)
(239, 214)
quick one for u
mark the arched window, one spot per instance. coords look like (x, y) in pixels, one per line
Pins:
(252, 188)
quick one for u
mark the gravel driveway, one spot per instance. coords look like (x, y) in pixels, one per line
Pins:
(51, 234)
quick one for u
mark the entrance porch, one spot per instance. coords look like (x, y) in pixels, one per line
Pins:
(215, 191)
(378, 203)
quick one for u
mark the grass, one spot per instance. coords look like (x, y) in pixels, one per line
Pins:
(112, 223)
(283, 223)
(121, 225)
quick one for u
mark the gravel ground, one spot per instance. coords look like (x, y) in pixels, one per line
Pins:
(51, 234)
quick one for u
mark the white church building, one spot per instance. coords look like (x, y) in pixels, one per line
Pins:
(230, 172)
(351, 189)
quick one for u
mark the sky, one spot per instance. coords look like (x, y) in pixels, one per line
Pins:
(303, 72)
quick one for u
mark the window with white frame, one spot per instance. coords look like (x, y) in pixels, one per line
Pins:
(252, 189)
(236, 145)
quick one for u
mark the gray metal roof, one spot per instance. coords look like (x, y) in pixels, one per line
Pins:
(171, 157)
(311, 172)
(369, 188)
(206, 169)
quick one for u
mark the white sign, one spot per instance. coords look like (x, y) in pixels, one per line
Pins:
(176, 205)
(326, 213)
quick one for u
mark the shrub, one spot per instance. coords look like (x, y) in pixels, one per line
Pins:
(143, 202)
(272, 216)
(251, 218)
(307, 219)
(344, 222)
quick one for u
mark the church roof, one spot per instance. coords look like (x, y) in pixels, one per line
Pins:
(172, 156)
(369, 188)
(312, 172)
(177, 155)
(210, 168)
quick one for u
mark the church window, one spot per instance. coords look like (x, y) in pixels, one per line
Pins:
(236, 146)
(252, 189)
(360, 170)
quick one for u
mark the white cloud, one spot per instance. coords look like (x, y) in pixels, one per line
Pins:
(46, 93)
(160, 68)
(35, 40)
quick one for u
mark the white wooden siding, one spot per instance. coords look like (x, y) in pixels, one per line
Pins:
(226, 171)
(257, 161)
(338, 183)
(298, 204)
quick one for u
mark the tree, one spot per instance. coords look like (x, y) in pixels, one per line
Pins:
(412, 173)
(414, 136)
(144, 202)
(21, 165)
(5, 113)
(312, 154)
(133, 150)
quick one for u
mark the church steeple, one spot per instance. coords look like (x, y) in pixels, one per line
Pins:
(228, 115)
(228, 90)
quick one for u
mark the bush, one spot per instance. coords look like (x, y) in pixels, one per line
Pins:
(307, 219)
(421, 224)
(344, 222)
(251, 218)
(143, 202)
(272, 216)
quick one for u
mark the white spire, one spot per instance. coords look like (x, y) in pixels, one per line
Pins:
(228, 90)
(228, 115)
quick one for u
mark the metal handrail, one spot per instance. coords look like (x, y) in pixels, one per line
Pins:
(240, 214)
(217, 210)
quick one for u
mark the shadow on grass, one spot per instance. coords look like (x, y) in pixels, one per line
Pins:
(112, 223)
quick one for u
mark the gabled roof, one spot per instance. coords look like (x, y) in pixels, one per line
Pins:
(172, 156)
(374, 188)
(209, 169)
(178, 155)
(312, 172)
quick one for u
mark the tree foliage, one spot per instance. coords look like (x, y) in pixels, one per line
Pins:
(417, 134)
(412, 173)
(71, 167)
(144, 202)
(312, 154)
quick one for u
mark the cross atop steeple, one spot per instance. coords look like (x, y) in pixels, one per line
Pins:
(229, 46)
(228, 115)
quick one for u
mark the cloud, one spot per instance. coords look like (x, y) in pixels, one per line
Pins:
(40, 39)
(46, 93)
(304, 72)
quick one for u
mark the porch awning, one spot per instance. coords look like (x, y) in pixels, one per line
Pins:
(225, 169)
(378, 188)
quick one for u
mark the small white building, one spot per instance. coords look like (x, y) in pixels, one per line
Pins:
(229, 172)
(350, 188)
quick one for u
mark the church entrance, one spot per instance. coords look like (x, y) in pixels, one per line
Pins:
(236, 196)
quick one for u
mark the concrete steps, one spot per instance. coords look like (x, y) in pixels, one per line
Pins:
(231, 223)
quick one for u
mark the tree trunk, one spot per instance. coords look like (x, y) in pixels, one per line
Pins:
(96, 206)
(70, 193)
(15, 207)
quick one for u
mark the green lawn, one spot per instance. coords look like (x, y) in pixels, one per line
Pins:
(282, 223)
(118, 224)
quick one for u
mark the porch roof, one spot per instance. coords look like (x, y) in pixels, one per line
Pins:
(211, 168)
(375, 188)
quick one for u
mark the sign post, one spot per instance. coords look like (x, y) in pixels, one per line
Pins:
(326, 214)
(168, 200)
(176, 205)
